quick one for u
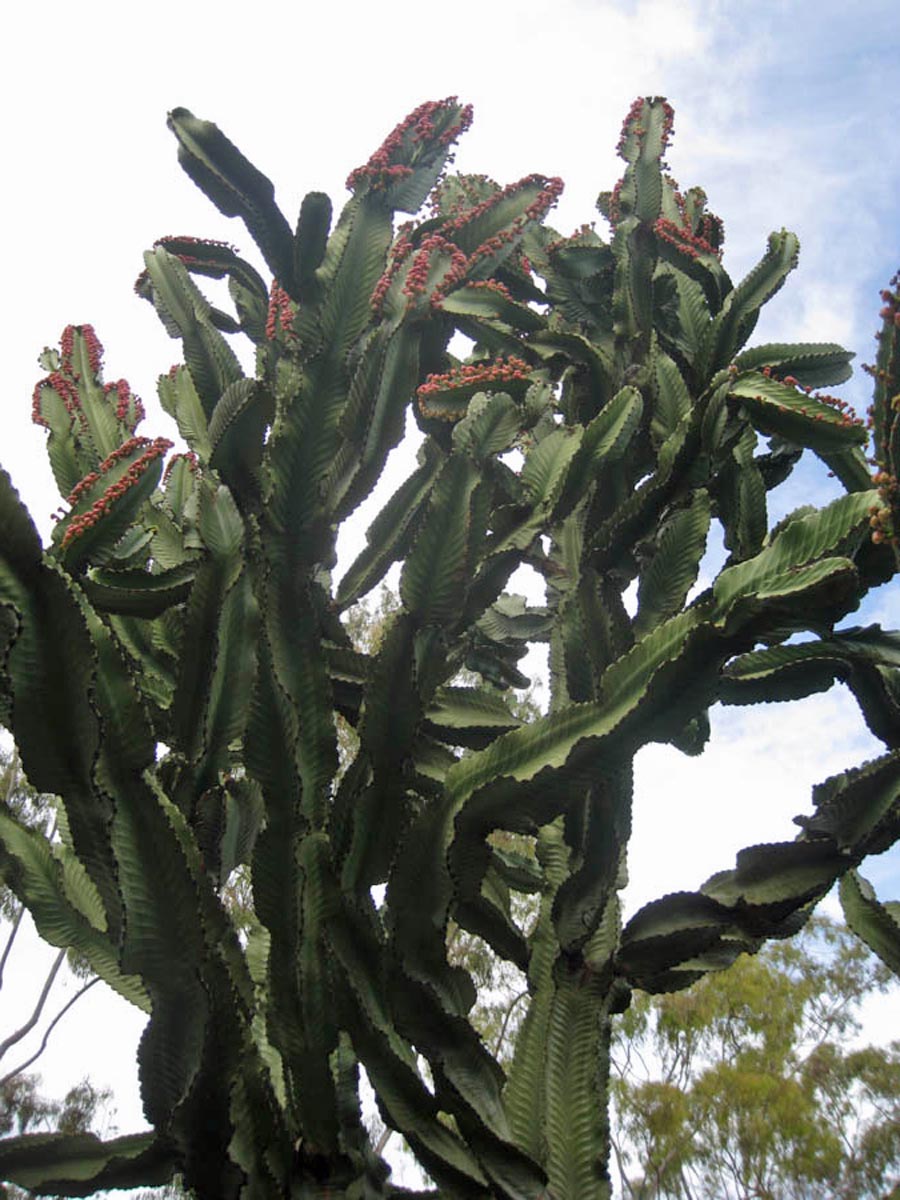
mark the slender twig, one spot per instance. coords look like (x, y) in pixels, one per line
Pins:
(500, 1036)
(25, 1029)
(9, 941)
(384, 1139)
(56, 1020)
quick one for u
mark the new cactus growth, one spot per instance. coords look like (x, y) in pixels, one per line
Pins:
(174, 661)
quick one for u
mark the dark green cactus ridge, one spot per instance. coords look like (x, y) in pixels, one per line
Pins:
(172, 664)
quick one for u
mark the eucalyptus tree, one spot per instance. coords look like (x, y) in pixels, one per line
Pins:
(754, 1081)
(174, 661)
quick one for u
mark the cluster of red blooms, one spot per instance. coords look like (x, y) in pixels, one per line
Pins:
(189, 457)
(65, 381)
(581, 236)
(417, 275)
(881, 519)
(542, 203)
(492, 285)
(550, 192)
(466, 189)
(632, 124)
(891, 301)
(281, 311)
(381, 170)
(684, 239)
(91, 341)
(67, 392)
(847, 413)
(124, 399)
(80, 524)
(488, 374)
(399, 253)
(461, 265)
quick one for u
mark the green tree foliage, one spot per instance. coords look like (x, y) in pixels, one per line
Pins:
(752, 1082)
(174, 667)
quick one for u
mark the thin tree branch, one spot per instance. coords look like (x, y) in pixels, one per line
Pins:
(384, 1139)
(25, 1029)
(56, 1020)
(9, 941)
(502, 1034)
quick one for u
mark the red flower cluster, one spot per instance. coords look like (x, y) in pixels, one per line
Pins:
(579, 237)
(632, 124)
(399, 252)
(281, 311)
(466, 191)
(124, 399)
(881, 516)
(417, 275)
(891, 301)
(91, 341)
(492, 285)
(65, 382)
(85, 521)
(543, 202)
(490, 374)
(461, 265)
(684, 240)
(188, 456)
(381, 170)
(67, 392)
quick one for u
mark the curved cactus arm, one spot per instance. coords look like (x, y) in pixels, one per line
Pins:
(87, 419)
(885, 417)
(672, 569)
(804, 542)
(48, 680)
(236, 188)
(487, 302)
(64, 904)
(208, 709)
(237, 433)
(186, 314)
(373, 421)
(404, 1101)
(218, 260)
(137, 592)
(406, 166)
(858, 810)
(875, 922)
(731, 327)
(809, 420)
(865, 659)
(605, 440)
(105, 504)
(390, 535)
(771, 890)
(812, 364)
(80, 1164)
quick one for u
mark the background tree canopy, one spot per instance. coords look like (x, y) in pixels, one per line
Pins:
(176, 670)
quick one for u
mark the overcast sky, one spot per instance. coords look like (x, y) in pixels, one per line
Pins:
(786, 113)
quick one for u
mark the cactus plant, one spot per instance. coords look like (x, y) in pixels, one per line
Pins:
(173, 662)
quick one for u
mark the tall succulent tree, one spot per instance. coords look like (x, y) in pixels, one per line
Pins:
(173, 661)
